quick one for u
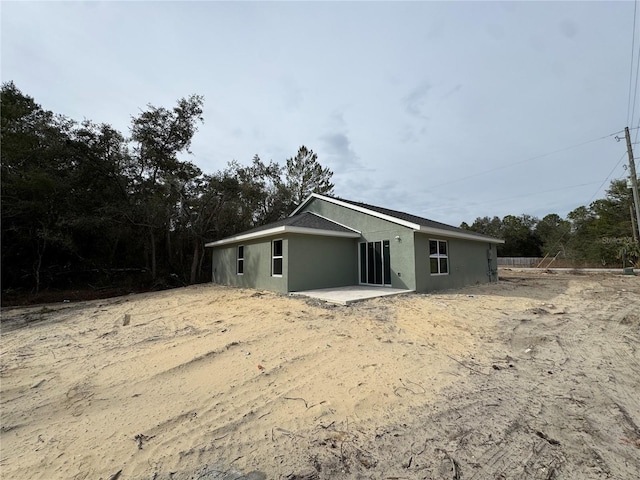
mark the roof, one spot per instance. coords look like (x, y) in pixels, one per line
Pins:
(311, 223)
(304, 223)
(414, 222)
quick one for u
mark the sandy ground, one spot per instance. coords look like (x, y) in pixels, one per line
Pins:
(536, 377)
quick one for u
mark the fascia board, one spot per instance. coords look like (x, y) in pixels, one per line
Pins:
(280, 230)
(304, 202)
(356, 208)
(246, 236)
(448, 233)
(323, 233)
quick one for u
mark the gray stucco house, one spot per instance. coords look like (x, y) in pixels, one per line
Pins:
(330, 242)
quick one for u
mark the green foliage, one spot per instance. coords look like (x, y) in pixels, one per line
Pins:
(304, 176)
(486, 226)
(80, 202)
(521, 239)
(261, 191)
(553, 232)
(158, 180)
(80, 197)
(595, 235)
(629, 253)
(37, 185)
(600, 232)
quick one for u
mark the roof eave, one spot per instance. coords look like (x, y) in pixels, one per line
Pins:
(280, 231)
(462, 235)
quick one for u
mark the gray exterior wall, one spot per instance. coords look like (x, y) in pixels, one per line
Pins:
(321, 262)
(467, 263)
(311, 261)
(375, 229)
(257, 265)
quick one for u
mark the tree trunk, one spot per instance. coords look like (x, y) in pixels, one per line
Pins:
(202, 257)
(37, 269)
(195, 261)
(153, 254)
(169, 251)
(38, 266)
(114, 249)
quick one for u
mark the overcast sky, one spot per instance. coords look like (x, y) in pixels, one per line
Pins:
(440, 109)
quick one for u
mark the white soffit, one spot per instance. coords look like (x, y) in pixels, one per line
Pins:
(450, 233)
(280, 230)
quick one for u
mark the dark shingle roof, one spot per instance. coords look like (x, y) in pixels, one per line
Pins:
(303, 220)
(313, 221)
(407, 217)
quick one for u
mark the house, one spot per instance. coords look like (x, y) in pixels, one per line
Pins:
(331, 242)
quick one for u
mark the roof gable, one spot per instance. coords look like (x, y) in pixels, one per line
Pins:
(415, 222)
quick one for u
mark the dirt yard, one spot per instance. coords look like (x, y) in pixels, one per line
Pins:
(536, 377)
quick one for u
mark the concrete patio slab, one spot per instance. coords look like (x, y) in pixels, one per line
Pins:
(347, 295)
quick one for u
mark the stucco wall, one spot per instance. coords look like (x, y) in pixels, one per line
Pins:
(375, 229)
(257, 265)
(312, 261)
(309, 262)
(321, 262)
(467, 263)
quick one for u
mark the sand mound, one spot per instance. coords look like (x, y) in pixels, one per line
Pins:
(533, 377)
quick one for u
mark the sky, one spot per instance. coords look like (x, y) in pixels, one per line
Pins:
(447, 110)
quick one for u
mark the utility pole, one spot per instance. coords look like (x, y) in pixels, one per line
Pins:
(633, 224)
(634, 177)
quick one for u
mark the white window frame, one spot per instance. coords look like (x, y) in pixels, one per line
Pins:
(438, 256)
(239, 260)
(275, 257)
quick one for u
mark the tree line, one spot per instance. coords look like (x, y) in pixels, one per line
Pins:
(596, 235)
(83, 204)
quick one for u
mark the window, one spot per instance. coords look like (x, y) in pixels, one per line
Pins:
(438, 257)
(240, 260)
(276, 262)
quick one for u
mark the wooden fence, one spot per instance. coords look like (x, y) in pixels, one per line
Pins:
(518, 261)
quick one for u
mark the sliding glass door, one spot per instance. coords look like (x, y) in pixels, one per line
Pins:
(375, 263)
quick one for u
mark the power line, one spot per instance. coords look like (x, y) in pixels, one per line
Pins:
(557, 242)
(562, 188)
(536, 193)
(520, 162)
(605, 180)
